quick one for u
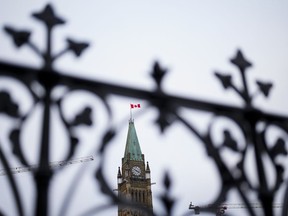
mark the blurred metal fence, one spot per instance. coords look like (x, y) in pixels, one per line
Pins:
(248, 118)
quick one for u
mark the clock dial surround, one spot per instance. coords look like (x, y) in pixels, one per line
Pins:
(136, 170)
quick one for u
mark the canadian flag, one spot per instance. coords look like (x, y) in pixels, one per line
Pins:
(132, 106)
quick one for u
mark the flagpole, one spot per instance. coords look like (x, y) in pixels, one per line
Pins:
(130, 114)
(132, 106)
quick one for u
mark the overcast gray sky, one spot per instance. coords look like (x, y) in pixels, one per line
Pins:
(192, 39)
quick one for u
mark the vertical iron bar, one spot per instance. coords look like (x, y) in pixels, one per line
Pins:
(264, 196)
(285, 201)
(48, 56)
(245, 86)
(44, 173)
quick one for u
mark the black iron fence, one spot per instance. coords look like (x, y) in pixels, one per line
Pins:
(247, 118)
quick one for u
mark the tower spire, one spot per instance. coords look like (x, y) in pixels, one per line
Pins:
(147, 171)
(119, 176)
(132, 148)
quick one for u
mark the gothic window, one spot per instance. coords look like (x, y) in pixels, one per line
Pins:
(139, 193)
(139, 196)
(132, 195)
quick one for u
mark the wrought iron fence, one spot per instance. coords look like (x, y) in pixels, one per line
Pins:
(247, 118)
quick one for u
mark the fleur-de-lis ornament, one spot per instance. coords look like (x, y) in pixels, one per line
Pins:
(243, 64)
(48, 17)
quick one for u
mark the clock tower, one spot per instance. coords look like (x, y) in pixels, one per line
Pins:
(134, 182)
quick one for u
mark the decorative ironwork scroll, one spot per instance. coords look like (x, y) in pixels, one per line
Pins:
(248, 118)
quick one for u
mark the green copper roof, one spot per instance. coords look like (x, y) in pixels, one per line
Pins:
(132, 144)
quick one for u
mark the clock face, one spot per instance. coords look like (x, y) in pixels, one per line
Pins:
(136, 170)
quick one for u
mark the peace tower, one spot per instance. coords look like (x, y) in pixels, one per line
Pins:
(134, 180)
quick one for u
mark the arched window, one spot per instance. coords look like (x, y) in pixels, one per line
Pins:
(132, 195)
(140, 196)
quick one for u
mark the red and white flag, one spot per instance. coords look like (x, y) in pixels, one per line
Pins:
(132, 106)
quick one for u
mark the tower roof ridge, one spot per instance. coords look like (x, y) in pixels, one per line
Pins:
(132, 149)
